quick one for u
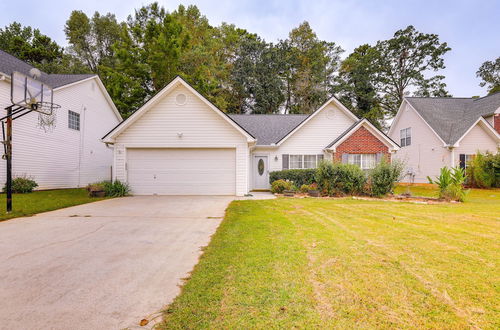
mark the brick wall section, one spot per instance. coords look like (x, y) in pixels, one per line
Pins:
(496, 123)
(362, 142)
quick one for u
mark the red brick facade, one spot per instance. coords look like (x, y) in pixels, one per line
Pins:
(496, 123)
(362, 142)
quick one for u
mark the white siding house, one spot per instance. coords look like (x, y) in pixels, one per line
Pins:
(444, 132)
(62, 157)
(178, 143)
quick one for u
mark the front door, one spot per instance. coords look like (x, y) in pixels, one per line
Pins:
(260, 173)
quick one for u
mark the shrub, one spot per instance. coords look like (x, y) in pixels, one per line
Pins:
(278, 186)
(340, 179)
(483, 171)
(450, 183)
(298, 177)
(22, 184)
(306, 187)
(383, 177)
(116, 188)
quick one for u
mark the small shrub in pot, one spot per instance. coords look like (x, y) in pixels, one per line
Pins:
(279, 186)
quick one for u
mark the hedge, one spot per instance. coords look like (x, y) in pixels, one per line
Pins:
(299, 177)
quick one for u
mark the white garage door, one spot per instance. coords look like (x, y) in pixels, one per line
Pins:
(182, 171)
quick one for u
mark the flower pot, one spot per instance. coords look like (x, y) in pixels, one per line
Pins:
(313, 193)
(97, 193)
(289, 193)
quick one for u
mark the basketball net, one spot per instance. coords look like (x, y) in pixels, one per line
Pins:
(47, 115)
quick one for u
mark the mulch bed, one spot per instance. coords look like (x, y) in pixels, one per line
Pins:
(389, 198)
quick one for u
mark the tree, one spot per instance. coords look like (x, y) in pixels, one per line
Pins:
(489, 72)
(404, 63)
(310, 67)
(37, 49)
(91, 39)
(357, 84)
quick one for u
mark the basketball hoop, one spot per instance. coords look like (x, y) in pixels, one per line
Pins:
(27, 94)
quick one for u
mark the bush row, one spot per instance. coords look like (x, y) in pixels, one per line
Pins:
(337, 179)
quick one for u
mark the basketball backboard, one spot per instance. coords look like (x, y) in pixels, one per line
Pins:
(31, 93)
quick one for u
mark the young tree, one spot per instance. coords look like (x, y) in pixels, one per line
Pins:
(489, 72)
(405, 62)
(357, 84)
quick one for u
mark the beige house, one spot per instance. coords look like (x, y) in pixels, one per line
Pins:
(438, 132)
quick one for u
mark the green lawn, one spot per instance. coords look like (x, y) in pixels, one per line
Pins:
(42, 201)
(344, 263)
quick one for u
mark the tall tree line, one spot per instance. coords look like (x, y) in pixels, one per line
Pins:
(237, 70)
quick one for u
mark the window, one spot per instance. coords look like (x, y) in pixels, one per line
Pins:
(296, 161)
(364, 161)
(405, 135)
(73, 120)
(304, 161)
(464, 160)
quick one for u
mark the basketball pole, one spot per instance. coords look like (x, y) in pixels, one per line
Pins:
(8, 155)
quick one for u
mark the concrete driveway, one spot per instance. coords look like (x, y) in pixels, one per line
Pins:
(104, 265)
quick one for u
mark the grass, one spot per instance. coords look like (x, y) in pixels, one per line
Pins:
(345, 263)
(42, 201)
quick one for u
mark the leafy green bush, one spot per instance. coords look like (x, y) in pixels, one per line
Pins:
(298, 177)
(450, 183)
(383, 177)
(306, 187)
(278, 186)
(22, 184)
(483, 171)
(340, 179)
(116, 188)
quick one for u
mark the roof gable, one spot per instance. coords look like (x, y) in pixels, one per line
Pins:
(315, 113)
(369, 126)
(110, 136)
(450, 118)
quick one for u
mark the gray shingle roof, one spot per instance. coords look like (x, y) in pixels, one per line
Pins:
(451, 117)
(9, 63)
(268, 129)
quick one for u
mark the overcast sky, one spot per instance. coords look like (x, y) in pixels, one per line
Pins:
(471, 28)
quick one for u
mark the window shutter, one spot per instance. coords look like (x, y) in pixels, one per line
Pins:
(285, 161)
(345, 158)
(462, 161)
(379, 157)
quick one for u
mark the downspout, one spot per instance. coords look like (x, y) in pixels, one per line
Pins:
(82, 144)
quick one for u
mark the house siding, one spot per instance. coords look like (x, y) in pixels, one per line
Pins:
(362, 141)
(426, 154)
(200, 126)
(62, 157)
(476, 140)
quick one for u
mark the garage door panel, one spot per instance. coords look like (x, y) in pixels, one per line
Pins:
(182, 171)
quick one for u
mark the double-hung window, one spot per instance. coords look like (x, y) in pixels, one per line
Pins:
(405, 135)
(303, 161)
(364, 161)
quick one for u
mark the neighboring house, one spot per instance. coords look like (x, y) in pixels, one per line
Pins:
(438, 132)
(70, 154)
(179, 143)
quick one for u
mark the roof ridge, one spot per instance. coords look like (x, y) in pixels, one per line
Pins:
(483, 97)
(440, 97)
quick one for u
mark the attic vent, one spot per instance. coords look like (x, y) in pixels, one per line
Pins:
(180, 99)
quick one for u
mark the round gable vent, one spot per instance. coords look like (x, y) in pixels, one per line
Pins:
(180, 99)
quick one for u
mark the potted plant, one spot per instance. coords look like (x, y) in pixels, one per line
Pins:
(313, 190)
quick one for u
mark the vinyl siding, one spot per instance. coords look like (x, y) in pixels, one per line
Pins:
(62, 157)
(201, 127)
(310, 139)
(476, 140)
(426, 154)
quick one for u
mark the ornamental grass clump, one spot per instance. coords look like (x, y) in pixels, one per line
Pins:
(450, 183)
